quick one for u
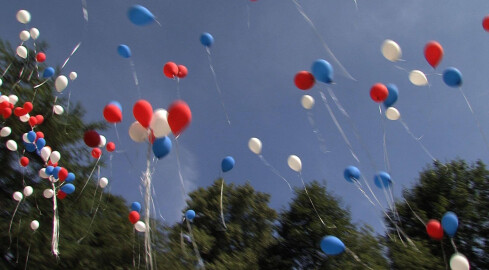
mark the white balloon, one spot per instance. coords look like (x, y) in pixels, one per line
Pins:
(392, 113)
(391, 50)
(255, 145)
(43, 174)
(137, 132)
(1, 82)
(73, 75)
(23, 16)
(24, 138)
(45, 153)
(55, 156)
(140, 226)
(34, 33)
(24, 118)
(12, 145)
(58, 109)
(17, 196)
(418, 78)
(5, 131)
(22, 52)
(34, 225)
(307, 102)
(48, 193)
(28, 190)
(13, 99)
(103, 141)
(4, 98)
(294, 163)
(61, 83)
(459, 262)
(103, 182)
(159, 123)
(24, 35)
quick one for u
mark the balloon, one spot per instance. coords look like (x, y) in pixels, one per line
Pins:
(434, 229)
(433, 52)
(379, 92)
(31, 136)
(331, 245)
(24, 35)
(5, 131)
(137, 132)
(392, 96)
(43, 174)
(124, 51)
(179, 116)
(190, 214)
(24, 118)
(103, 141)
(206, 39)
(449, 223)
(485, 23)
(103, 182)
(55, 156)
(73, 75)
(34, 225)
(22, 52)
(159, 123)
(140, 15)
(12, 99)
(56, 171)
(182, 71)
(133, 217)
(49, 170)
(68, 188)
(61, 83)
(418, 78)
(28, 190)
(48, 193)
(294, 163)
(24, 161)
(12, 145)
(112, 113)
(62, 174)
(351, 174)
(322, 71)
(304, 80)
(452, 77)
(17, 196)
(254, 144)
(91, 138)
(170, 69)
(143, 112)
(136, 206)
(96, 153)
(307, 102)
(161, 147)
(34, 33)
(459, 262)
(48, 72)
(23, 16)
(70, 178)
(32, 121)
(61, 195)
(40, 143)
(140, 226)
(382, 180)
(392, 114)
(40, 57)
(110, 146)
(227, 164)
(391, 50)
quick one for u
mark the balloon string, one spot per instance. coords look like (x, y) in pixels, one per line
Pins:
(275, 171)
(326, 47)
(184, 193)
(475, 117)
(84, 10)
(418, 140)
(147, 204)
(196, 250)
(217, 84)
(357, 258)
(90, 176)
(71, 54)
(135, 77)
(41, 84)
(67, 110)
(384, 138)
(178, 88)
(248, 13)
(28, 251)
(96, 189)
(55, 236)
(93, 218)
(319, 136)
(444, 255)
(313, 206)
(414, 213)
(220, 203)
(11, 221)
(359, 186)
(6, 70)
(453, 244)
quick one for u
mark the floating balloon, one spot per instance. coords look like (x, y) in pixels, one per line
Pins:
(170, 69)
(73, 75)
(179, 116)
(392, 96)
(294, 163)
(137, 132)
(40, 143)
(91, 138)
(382, 180)
(28, 190)
(143, 112)
(45, 152)
(304, 80)
(182, 71)
(434, 229)
(61, 195)
(190, 214)
(140, 226)
(459, 262)
(34, 33)
(112, 113)
(31, 136)
(433, 52)
(136, 206)
(68, 188)
(5, 131)
(40, 57)
(307, 102)
(391, 50)
(103, 182)
(12, 99)
(48, 193)
(96, 153)
(34, 225)
(254, 144)
(227, 164)
(452, 77)
(23, 16)
(12, 145)
(17, 196)
(56, 171)
(331, 245)
(379, 92)
(161, 147)
(322, 71)
(70, 178)
(133, 217)
(61, 83)
(140, 15)
(62, 174)
(110, 147)
(24, 161)
(24, 118)
(24, 35)
(22, 52)
(351, 174)
(418, 78)
(159, 123)
(124, 51)
(449, 223)
(43, 174)
(206, 39)
(103, 141)
(48, 72)
(392, 114)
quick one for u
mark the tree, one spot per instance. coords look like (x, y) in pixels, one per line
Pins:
(454, 186)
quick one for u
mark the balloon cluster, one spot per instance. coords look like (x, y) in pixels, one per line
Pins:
(172, 70)
(321, 71)
(134, 217)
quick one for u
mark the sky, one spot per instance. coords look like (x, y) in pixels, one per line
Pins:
(259, 47)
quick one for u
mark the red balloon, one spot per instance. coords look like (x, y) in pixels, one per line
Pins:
(62, 174)
(19, 111)
(28, 107)
(91, 138)
(485, 23)
(110, 147)
(143, 112)
(52, 164)
(24, 161)
(39, 134)
(40, 57)
(434, 229)
(32, 121)
(6, 112)
(96, 152)
(379, 92)
(170, 69)
(304, 80)
(61, 194)
(179, 116)
(133, 217)
(112, 113)
(40, 119)
(182, 71)
(433, 52)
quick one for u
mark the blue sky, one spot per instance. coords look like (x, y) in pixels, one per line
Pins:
(259, 47)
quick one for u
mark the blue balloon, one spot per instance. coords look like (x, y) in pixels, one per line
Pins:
(161, 147)
(322, 71)
(49, 170)
(31, 136)
(116, 103)
(331, 245)
(206, 39)
(48, 72)
(68, 188)
(393, 94)
(140, 15)
(452, 77)
(449, 222)
(190, 214)
(30, 147)
(40, 143)
(227, 164)
(382, 180)
(70, 178)
(124, 51)
(136, 206)
(351, 173)
(56, 171)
